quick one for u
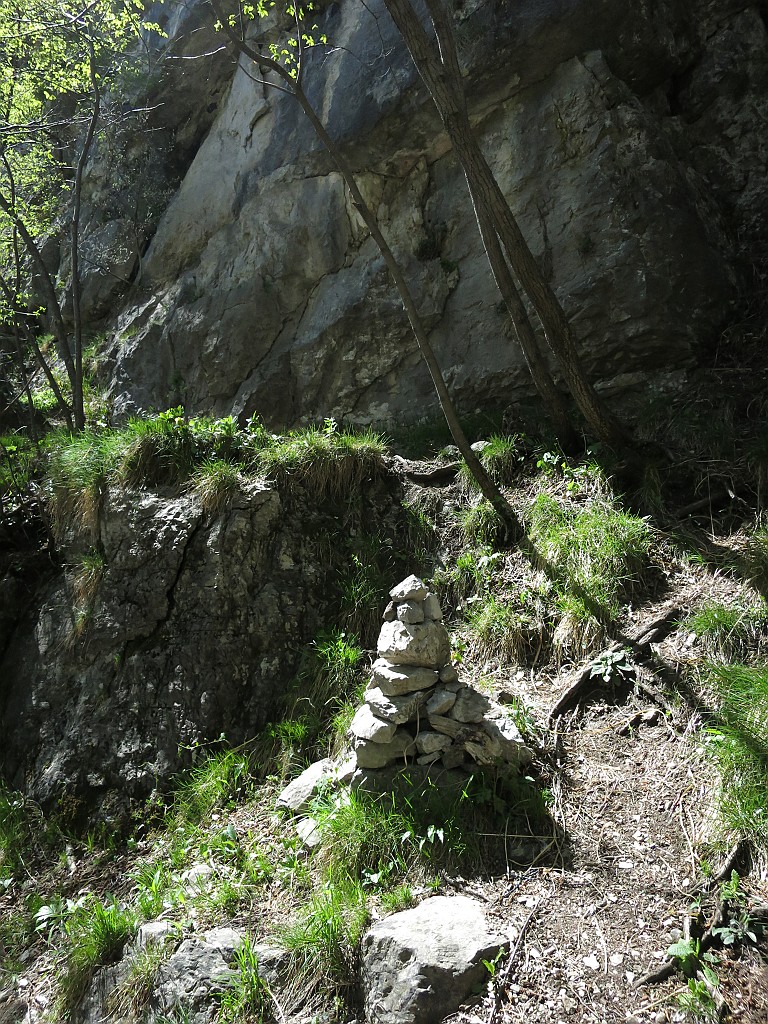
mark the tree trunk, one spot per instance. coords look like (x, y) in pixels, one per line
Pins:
(487, 487)
(441, 75)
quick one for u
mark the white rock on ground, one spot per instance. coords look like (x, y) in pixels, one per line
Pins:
(419, 965)
(298, 794)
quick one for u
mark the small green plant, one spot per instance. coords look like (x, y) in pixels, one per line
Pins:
(131, 997)
(730, 631)
(324, 940)
(480, 523)
(246, 997)
(698, 1000)
(397, 899)
(502, 457)
(612, 667)
(95, 935)
(212, 783)
(505, 629)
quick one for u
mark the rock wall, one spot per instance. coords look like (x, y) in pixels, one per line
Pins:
(196, 629)
(628, 138)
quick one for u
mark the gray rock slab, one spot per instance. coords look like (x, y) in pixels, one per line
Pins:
(429, 742)
(425, 643)
(507, 742)
(368, 726)
(298, 794)
(432, 609)
(447, 726)
(448, 675)
(410, 589)
(397, 680)
(410, 611)
(393, 708)
(379, 755)
(470, 706)
(192, 980)
(419, 965)
(441, 701)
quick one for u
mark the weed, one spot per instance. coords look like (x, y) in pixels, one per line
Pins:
(95, 934)
(594, 556)
(246, 997)
(212, 783)
(738, 740)
(501, 629)
(328, 461)
(17, 455)
(729, 631)
(756, 559)
(215, 484)
(501, 457)
(324, 939)
(611, 667)
(362, 581)
(400, 898)
(130, 999)
(87, 577)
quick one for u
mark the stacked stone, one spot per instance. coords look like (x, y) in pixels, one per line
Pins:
(416, 709)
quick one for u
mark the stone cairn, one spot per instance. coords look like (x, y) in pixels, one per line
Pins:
(416, 709)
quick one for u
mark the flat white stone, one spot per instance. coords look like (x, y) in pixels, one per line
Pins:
(396, 680)
(470, 706)
(379, 755)
(432, 609)
(426, 643)
(428, 742)
(392, 708)
(298, 794)
(411, 589)
(410, 611)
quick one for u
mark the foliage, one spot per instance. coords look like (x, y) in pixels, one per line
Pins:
(325, 937)
(611, 666)
(729, 631)
(328, 461)
(96, 932)
(506, 628)
(216, 483)
(594, 556)
(739, 742)
(502, 456)
(17, 455)
(246, 997)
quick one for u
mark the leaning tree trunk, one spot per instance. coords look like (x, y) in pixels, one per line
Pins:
(293, 85)
(441, 75)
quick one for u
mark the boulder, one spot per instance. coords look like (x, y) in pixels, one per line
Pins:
(419, 965)
(395, 709)
(411, 589)
(379, 755)
(367, 726)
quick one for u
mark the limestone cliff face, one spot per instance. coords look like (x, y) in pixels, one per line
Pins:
(629, 138)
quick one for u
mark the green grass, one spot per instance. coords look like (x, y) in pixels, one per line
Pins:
(502, 457)
(216, 483)
(328, 461)
(213, 783)
(95, 935)
(730, 631)
(246, 997)
(756, 559)
(17, 463)
(324, 938)
(739, 741)
(169, 449)
(505, 628)
(596, 556)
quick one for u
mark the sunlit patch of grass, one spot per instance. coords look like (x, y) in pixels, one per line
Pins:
(739, 741)
(507, 628)
(730, 631)
(595, 556)
(216, 483)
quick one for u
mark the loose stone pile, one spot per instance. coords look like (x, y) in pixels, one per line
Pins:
(416, 709)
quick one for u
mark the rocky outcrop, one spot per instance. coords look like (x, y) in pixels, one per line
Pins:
(624, 135)
(195, 630)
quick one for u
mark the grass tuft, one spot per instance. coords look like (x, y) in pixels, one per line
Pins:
(216, 483)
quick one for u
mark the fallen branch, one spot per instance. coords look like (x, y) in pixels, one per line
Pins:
(507, 968)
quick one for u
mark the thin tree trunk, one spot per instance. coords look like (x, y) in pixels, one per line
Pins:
(488, 488)
(77, 388)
